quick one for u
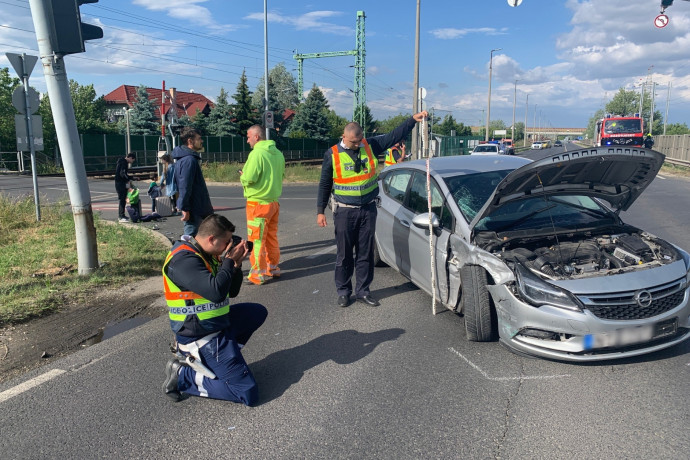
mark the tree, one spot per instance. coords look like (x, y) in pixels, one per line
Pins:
(496, 125)
(337, 124)
(591, 124)
(219, 119)
(389, 124)
(242, 109)
(142, 118)
(89, 111)
(200, 122)
(284, 85)
(8, 139)
(627, 103)
(312, 116)
(677, 128)
(624, 103)
(369, 125)
(447, 126)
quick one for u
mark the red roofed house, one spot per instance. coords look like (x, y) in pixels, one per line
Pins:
(124, 96)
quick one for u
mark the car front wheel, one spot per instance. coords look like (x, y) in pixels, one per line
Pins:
(476, 302)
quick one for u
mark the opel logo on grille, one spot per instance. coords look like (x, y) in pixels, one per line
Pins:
(643, 298)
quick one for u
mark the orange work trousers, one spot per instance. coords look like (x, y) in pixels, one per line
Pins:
(262, 230)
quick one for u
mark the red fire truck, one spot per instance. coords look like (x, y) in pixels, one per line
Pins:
(615, 130)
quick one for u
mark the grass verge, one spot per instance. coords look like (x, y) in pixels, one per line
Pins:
(38, 260)
(229, 172)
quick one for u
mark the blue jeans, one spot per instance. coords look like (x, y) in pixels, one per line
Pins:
(191, 226)
(234, 381)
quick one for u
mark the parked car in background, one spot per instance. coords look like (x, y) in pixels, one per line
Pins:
(535, 253)
(546, 144)
(536, 145)
(558, 144)
(487, 149)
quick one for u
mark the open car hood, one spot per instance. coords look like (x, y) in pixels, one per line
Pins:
(617, 175)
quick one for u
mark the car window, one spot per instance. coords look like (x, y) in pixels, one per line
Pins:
(486, 148)
(418, 200)
(395, 184)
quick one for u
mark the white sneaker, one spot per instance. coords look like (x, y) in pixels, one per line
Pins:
(123, 220)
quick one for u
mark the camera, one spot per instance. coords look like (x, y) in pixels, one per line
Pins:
(238, 239)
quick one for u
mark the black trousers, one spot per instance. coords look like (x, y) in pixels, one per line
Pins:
(121, 189)
(354, 231)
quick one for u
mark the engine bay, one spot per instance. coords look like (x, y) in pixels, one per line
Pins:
(595, 255)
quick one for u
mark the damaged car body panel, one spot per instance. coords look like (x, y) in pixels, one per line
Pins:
(540, 248)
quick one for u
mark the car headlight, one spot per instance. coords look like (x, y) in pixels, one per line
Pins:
(538, 292)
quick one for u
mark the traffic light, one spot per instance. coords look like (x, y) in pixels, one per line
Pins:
(67, 32)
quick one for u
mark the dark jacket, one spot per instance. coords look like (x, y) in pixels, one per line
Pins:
(378, 145)
(188, 272)
(121, 175)
(194, 196)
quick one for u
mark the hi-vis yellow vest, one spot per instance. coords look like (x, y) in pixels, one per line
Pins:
(182, 304)
(347, 182)
(390, 159)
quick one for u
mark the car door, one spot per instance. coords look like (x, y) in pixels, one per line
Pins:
(392, 222)
(420, 270)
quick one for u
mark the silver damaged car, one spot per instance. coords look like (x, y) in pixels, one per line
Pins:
(535, 253)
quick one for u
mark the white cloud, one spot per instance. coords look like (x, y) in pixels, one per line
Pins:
(187, 10)
(313, 21)
(450, 33)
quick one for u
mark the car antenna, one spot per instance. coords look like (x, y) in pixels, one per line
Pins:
(553, 226)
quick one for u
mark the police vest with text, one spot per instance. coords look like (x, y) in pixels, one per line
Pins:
(354, 184)
(390, 159)
(183, 305)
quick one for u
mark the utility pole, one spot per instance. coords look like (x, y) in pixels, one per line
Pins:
(668, 99)
(534, 124)
(524, 137)
(53, 33)
(651, 110)
(514, 103)
(415, 94)
(268, 134)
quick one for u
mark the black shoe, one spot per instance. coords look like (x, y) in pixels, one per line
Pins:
(344, 301)
(369, 300)
(172, 370)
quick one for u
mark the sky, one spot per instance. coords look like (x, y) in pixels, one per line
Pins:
(557, 61)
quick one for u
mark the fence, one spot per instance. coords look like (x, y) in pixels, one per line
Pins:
(455, 145)
(676, 147)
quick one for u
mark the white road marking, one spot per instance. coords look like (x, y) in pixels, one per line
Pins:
(29, 384)
(322, 252)
(499, 379)
(661, 177)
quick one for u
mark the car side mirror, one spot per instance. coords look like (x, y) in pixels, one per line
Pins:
(422, 220)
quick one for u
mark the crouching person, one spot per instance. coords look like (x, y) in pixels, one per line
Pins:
(200, 274)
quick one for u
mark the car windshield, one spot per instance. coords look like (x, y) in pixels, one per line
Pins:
(563, 212)
(622, 126)
(486, 148)
(470, 191)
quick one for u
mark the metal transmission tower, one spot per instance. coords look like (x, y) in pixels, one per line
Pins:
(359, 53)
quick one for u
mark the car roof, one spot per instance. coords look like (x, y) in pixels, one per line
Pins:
(465, 164)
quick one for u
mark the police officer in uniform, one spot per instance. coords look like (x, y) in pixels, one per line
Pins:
(349, 171)
(200, 274)
(395, 154)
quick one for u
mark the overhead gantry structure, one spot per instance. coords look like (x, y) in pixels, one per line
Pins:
(360, 70)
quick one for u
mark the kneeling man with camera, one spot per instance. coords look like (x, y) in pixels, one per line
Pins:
(200, 275)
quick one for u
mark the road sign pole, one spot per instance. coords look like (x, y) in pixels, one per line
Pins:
(29, 130)
(68, 139)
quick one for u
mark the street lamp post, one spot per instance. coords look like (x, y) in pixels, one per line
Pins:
(488, 105)
(129, 143)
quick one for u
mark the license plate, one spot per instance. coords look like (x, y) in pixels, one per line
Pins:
(631, 335)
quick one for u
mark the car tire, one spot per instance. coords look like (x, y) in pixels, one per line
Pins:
(377, 257)
(480, 323)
